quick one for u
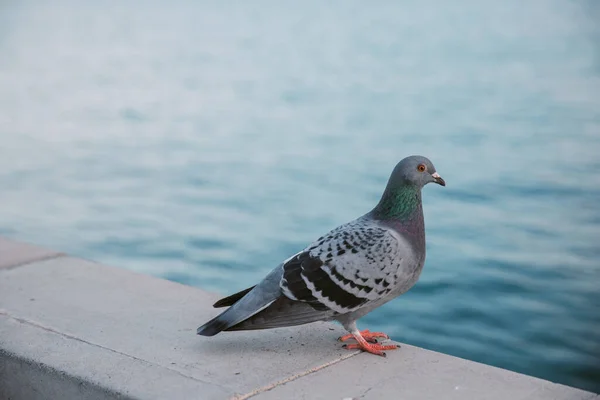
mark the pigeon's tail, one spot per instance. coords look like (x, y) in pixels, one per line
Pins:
(282, 312)
(231, 300)
(245, 304)
(234, 315)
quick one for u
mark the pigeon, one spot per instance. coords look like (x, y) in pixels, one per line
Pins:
(348, 272)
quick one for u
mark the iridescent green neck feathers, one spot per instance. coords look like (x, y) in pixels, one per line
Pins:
(399, 203)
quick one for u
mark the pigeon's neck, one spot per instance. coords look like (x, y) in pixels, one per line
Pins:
(400, 204)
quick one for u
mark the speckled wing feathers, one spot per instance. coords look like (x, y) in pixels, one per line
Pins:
(353, 265)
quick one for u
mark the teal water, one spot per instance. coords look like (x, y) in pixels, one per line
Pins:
(204, 142)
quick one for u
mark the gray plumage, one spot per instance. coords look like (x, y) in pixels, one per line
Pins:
(346, 273)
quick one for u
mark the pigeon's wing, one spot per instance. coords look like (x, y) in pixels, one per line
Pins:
(341, 272)
(263, 306)
(286, 311)
(345, 270)
(351, 267)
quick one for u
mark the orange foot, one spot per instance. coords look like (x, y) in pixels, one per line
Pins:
(369, 336)
(363, 339)
(372, 348)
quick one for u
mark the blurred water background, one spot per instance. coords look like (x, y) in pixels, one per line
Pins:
(204, 142)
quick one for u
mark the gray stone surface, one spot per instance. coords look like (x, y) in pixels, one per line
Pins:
(13, 253)
(412, 373)
(27, 379)
(39, 363)
(83, 318)
(71, 328)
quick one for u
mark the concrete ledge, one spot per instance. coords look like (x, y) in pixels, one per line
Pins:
(29, 379)
(71, 328)
(13, 254)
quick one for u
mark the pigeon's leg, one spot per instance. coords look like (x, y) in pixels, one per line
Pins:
(369, 336)
(363, 344)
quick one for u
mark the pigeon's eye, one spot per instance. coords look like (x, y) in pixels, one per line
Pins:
(421, 167)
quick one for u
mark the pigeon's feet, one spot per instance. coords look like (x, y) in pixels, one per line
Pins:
(369, 336)
(376, 349)
(363, 338)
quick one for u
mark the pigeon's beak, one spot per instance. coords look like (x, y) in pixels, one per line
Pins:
(438, 179)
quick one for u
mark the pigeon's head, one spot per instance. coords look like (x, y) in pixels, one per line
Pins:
(415, 171)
